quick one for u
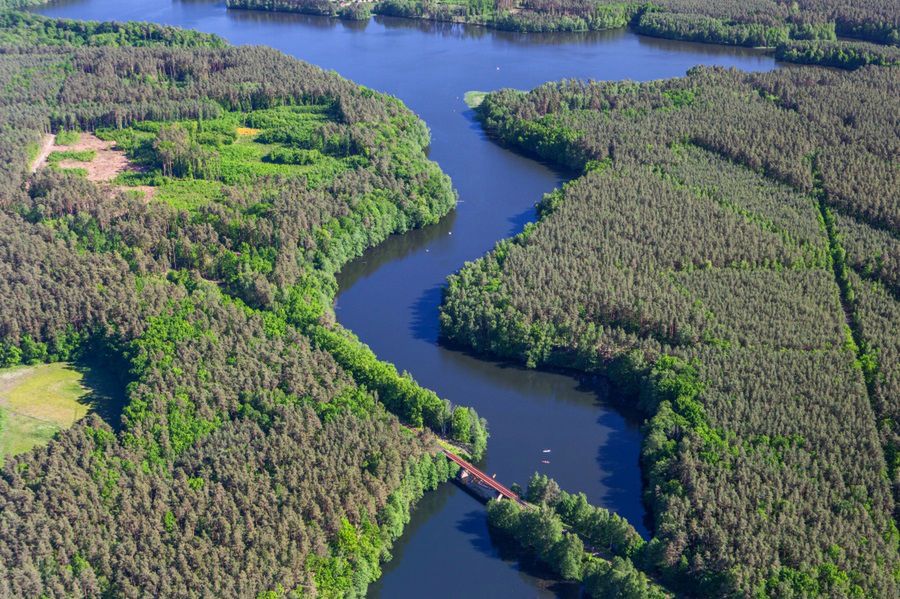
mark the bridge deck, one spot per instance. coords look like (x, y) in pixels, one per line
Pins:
(482, 477)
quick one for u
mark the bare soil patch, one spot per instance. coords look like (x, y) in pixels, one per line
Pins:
(107, 163)
(9, 377)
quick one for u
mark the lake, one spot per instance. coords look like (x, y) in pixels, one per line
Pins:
(390, 296)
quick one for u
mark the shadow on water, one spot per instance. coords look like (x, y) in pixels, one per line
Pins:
(699, 49)
(431, 503)
(395, 248)
(424, 324)
(620, 483)
(282, 19)
(619, 414)
(518, 221)
(617, 421)
(476, 32)
(105, 376)
(507, 551)
(474, 525)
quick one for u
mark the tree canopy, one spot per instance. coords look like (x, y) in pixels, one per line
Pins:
(261, 448)
(728, 256)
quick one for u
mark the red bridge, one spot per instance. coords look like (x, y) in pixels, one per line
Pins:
(481, 478)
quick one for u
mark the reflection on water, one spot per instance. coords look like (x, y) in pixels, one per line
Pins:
(475, 32)
(288, 19)
(395, 248)
(700, 50)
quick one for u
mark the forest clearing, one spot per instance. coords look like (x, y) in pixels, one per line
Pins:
(37, 402)
(87, 155)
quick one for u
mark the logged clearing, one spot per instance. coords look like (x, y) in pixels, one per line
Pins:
(107, 163)
(37, 401)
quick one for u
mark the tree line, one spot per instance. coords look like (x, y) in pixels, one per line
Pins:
(764, 23)
(576, 541)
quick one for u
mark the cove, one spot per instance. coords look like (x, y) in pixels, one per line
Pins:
(390, 296)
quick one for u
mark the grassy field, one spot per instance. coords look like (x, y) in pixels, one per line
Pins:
(37, 401)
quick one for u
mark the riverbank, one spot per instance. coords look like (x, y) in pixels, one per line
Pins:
(811, 39)
(215, 298)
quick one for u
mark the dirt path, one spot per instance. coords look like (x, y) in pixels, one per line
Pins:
(46, 147)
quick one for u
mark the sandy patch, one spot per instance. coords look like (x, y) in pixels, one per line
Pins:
(108, 162)
(148, 191)
(8, 379)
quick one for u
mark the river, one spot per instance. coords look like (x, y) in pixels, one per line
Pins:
(390, 296)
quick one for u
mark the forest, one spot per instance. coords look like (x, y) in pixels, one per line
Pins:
(577, 541)
(728, 257)
(262, 450)
(18, 29)
(823, 26)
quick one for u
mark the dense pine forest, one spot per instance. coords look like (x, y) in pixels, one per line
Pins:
(807, 31)
(262, 451)
(728, 255)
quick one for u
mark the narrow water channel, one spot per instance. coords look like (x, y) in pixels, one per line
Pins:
(390, 296)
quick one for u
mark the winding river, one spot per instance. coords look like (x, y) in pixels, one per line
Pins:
(390, 296)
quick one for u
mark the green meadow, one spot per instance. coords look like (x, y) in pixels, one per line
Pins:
(38, 401)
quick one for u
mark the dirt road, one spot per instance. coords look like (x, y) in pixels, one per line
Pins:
(46, 147)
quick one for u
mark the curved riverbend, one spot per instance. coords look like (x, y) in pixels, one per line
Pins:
(390, 296)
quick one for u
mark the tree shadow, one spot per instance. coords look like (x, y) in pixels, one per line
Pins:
(393, 249)
(625, 486)
(424, 324)
(617, 455)
(623, 479)
(105, 374)
(474, 525)
(508, 551)
(518, 221)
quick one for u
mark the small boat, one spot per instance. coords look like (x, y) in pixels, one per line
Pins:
(545, 461)
(546, 451)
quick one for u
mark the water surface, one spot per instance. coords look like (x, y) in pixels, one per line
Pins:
(390, 296)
